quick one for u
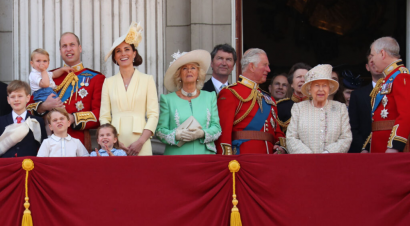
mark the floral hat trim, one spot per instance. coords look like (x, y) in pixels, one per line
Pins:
(134, 35)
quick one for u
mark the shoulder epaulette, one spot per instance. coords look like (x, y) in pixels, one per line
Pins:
(88, 69)
(282, 100)
(404, 70)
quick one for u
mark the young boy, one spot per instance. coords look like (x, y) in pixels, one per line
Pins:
(41, 81)
(60, 144)
(21, 133)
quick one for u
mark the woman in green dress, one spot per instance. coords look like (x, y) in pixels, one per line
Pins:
(184, 79)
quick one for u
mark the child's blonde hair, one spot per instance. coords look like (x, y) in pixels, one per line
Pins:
(114, 131)
(60, 110)
(39, 51)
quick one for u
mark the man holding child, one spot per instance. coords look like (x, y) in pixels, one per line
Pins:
(78, 91)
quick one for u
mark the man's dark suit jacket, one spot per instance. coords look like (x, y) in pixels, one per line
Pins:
(360, 111)
(5, 108)
(209, 86)
(28, 146)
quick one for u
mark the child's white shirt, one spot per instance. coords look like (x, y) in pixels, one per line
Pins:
(55, 146)
(35, 78)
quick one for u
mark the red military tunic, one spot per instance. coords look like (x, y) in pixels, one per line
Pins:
(85, 101)
(236, 113)
(391, 110)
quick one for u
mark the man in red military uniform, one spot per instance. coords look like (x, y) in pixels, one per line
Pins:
(248, 114)
(79, 92)
(390, 100)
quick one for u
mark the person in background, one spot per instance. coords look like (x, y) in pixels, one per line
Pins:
(184, 79)
(338, 95)
(390, 100)
(296, 79)
(5, 108)
(319, 125)
(279, 86)
(350, 83)
(60, 143)
(21, 132)
(360, 109)
(223, 59)
(108, 143)
(247, 113)
(130, 96)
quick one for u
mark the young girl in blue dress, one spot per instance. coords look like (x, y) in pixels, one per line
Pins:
(107, 139)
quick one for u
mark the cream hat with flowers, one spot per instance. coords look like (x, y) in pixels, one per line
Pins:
(199, 56)
(320, 72)
(133, 36)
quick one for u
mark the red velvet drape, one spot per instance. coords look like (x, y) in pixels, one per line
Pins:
(333, 189)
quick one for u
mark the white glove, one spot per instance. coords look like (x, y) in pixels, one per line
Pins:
(179, 132)
(193, 134)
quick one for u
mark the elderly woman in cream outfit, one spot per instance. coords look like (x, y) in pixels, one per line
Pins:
(319, 125)
(130, 95)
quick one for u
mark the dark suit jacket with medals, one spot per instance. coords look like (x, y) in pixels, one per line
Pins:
(360, 111)
(28, 146)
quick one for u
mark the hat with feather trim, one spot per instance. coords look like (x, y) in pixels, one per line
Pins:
(133, 36)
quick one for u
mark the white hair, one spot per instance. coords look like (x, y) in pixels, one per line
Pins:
(387, 44)
(251, 56)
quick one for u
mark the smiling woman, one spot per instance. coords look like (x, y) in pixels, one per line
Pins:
(129, 96)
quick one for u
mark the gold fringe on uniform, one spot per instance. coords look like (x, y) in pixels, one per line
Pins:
(27, 220)
(234, 167)
(70, 79)
(254, 96)
(376, 90)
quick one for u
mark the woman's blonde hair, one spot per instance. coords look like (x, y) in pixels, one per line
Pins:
(199, 82)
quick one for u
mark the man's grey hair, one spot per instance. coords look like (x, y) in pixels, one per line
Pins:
(387, 44)
(251, 56)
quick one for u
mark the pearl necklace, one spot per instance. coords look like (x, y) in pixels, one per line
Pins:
(188, 94)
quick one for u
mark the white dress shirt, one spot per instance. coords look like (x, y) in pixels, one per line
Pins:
(218, 84)
(15, 115)
(55, 146)
(374, 84)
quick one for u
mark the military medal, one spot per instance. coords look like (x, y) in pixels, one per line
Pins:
(269, 100)
(384, 112)
(87, 82)
(82, 93)
(386, 88)
(82, 82)
(79, 105)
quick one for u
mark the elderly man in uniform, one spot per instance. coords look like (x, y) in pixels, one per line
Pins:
(79, 92)
(247, 113)
(390, 100)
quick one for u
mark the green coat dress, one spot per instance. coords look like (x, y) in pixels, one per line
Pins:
(174, 111)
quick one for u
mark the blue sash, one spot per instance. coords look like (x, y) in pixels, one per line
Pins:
(380, 96)
(83, 75)
(256, 124)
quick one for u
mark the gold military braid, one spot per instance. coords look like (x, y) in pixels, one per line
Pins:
(254, 96)
(70, 79)
(376, 90)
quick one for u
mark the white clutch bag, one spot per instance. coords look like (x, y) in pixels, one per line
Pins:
(190, 123)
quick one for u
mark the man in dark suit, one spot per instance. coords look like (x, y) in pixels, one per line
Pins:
(360, 110)
(17, 142)
(4, 106)
(223, 58)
